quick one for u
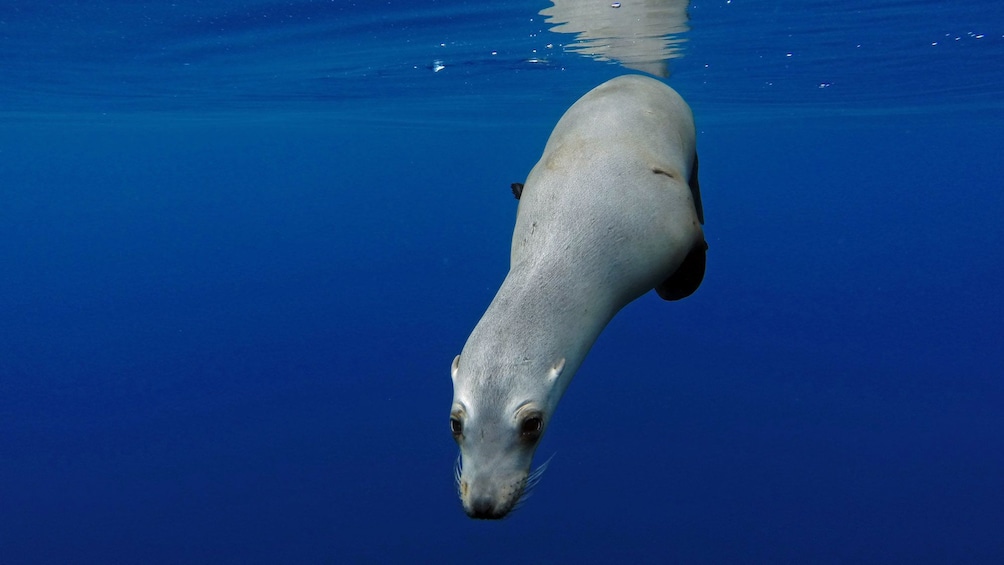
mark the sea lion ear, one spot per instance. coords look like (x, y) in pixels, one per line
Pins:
(555, 371)
(453, 369)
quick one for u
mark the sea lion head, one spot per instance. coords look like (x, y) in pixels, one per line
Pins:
(497, 420)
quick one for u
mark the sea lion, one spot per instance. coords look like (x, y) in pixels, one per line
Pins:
(611, 211)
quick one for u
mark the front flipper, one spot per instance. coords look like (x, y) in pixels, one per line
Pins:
(688, 275)
(695, 191)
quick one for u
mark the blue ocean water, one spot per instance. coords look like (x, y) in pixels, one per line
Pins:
(241, 242)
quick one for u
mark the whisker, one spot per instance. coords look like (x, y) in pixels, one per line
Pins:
(537, 474)
(458, 468)
(531, 481)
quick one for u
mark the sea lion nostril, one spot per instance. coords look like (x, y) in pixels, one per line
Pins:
(483, 508)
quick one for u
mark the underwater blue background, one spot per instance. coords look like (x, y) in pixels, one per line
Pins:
(241, 242)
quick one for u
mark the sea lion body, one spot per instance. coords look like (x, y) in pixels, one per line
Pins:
(611, 211)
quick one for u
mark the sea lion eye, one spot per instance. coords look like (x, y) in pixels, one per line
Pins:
(531, 428)
(456, 426)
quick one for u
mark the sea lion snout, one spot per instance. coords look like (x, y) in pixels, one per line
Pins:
(484, 508)
(491, 497)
